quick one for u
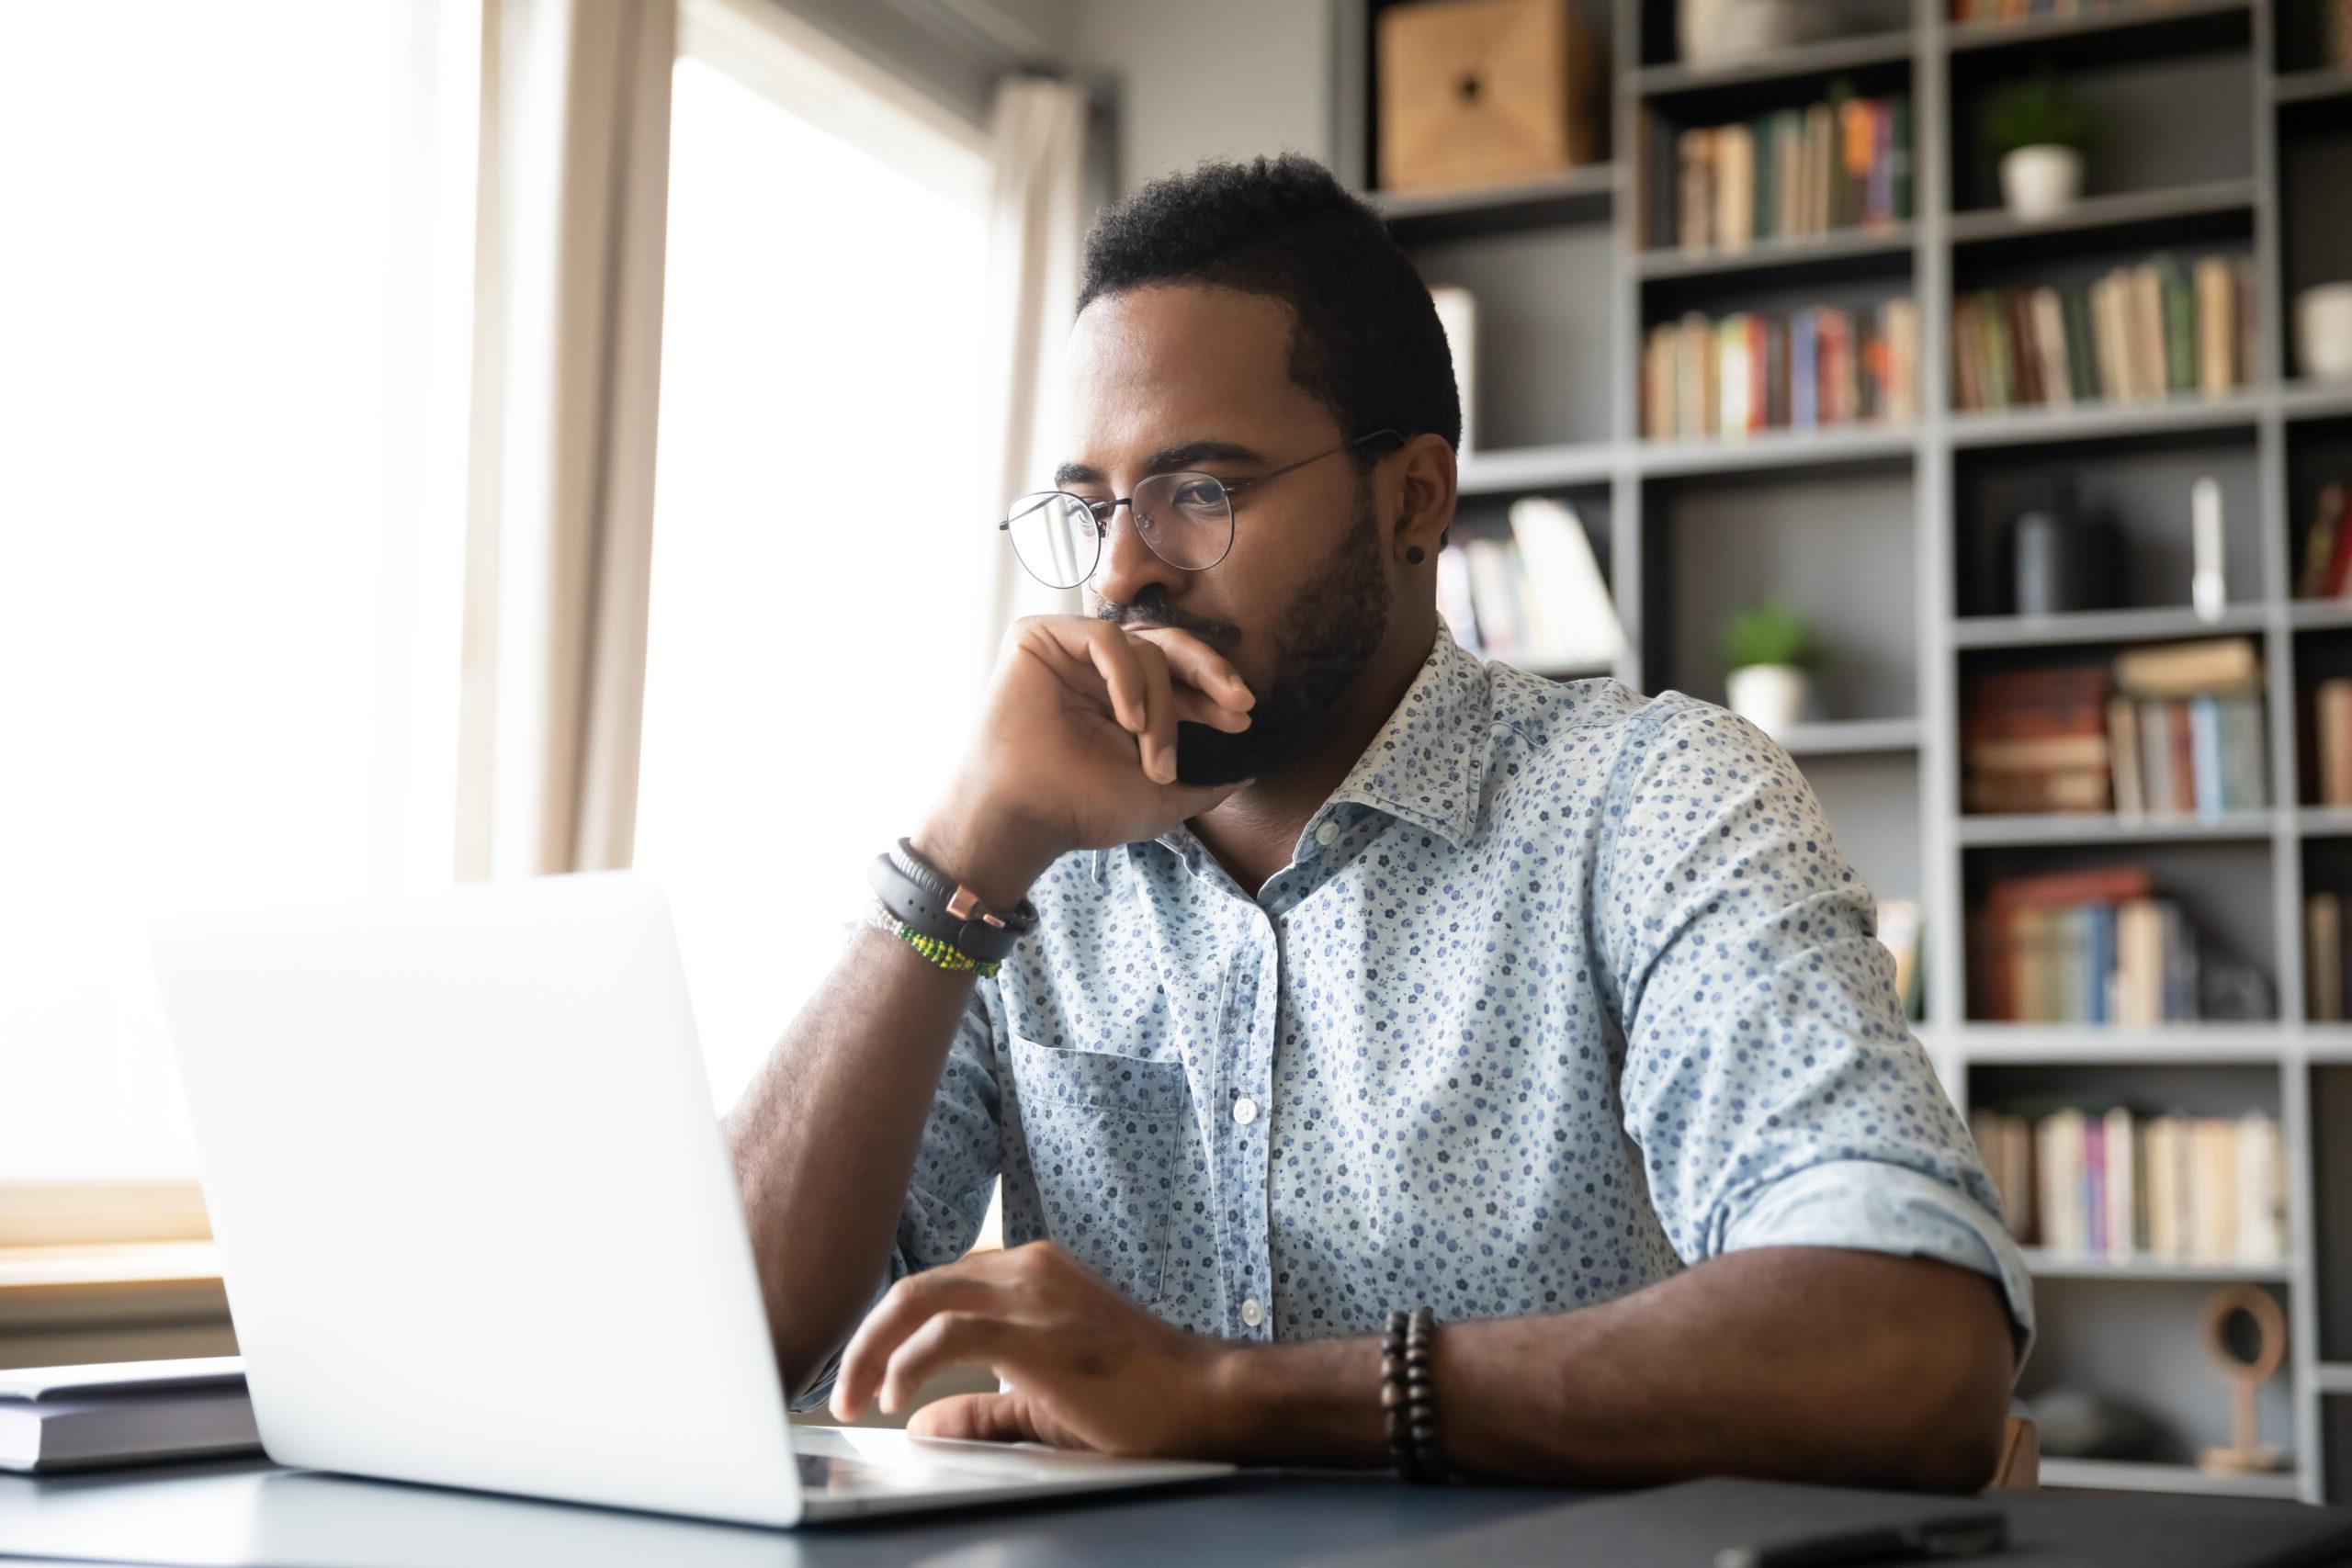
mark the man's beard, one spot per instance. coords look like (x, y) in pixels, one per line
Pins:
(1322, 641)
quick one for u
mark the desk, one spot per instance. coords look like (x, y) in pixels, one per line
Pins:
(250, 1512)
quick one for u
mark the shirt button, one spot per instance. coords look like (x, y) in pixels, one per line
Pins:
(1245, 1112)
(1326, 831)
(1251, 1313)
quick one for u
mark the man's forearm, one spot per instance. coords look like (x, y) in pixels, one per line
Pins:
(825, 1138)
(1810, 1362)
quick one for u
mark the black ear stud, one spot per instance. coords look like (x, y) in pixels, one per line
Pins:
(1413, 556)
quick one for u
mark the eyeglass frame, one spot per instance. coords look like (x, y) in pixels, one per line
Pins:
(1101, 511)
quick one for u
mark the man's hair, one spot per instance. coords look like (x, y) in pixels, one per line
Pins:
(1367, 343)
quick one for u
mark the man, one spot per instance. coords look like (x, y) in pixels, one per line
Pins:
(1366, 978)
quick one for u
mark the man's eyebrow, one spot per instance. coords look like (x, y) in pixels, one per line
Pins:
(1166, 460)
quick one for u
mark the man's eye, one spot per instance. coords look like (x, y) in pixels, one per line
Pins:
(1201, 495)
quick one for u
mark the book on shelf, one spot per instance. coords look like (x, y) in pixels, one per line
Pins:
(2324, 967)
(2156, 330)
(1536, 598)
(2022, 10)
(2094, 946)
(2171, 729)
(2118, 1185)
(2327, 548)
(1838, 165)
(1802, 369)
(2330, 750)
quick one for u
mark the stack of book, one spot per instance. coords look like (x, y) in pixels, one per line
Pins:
(2324, 965)
(1800, 371)
(2036, 740)
(2173, 730)
(1841, 164)
(2121, 1187)
(2094, 946)
(2327, 548)
(2139, 333)
(1535, 599)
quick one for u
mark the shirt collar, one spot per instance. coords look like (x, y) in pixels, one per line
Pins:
(1426, 764)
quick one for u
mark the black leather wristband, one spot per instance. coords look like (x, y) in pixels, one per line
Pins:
(914, 890)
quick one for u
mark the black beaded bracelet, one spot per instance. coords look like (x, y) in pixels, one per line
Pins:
(1408, 1394)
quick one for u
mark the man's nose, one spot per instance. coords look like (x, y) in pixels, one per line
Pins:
(1128, 564)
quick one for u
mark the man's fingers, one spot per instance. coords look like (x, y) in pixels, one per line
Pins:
(976, 1418)
(1199, 665)
(903, 1308)
(943, 1340)
(1194, 707)
(1157, 741)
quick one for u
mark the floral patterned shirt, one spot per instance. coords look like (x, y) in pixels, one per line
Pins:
(1562, 990)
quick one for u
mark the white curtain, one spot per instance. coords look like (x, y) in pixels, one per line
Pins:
(1036, 226)
(574, 157)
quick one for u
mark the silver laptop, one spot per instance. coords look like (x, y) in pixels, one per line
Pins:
(479, 1228)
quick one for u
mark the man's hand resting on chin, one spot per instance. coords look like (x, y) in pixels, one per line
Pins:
(1087, 1368)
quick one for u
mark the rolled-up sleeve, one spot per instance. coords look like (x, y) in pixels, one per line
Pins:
(956, 1164)
(1770, 1080)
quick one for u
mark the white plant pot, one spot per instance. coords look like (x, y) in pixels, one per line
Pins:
(2324, 331)
(1721, 32)
(2038, 182)
(1770, 696)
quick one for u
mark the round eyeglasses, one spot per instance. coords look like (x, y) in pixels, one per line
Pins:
(1186, 517)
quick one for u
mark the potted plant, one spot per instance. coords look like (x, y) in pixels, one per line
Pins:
(2037, 130)
(1769, 648)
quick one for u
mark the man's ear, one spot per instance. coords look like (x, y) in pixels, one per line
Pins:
(1424, 469)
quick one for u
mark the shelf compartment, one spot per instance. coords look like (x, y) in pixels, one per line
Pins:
(2330, 1186)
(1584, 194)
(2140, 31)
(2142, 486)
(1544, 339)
(2216, 210)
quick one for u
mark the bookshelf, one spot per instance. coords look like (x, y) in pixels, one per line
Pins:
(1881, 531)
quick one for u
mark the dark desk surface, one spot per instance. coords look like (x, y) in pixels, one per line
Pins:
(248, 1512)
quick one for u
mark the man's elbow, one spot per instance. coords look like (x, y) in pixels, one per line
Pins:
(1950, 1414)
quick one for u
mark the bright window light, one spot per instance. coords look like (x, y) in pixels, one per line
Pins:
(822, 536)
(230, 566)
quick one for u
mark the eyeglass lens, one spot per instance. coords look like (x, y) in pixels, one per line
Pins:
(1186, 518)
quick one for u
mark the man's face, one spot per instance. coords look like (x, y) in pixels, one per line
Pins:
(1193, 378)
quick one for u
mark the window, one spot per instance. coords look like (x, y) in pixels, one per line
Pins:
(821, 546)
(231, 516)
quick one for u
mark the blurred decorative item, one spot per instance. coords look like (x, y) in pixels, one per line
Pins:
(1481, 90)
(2232, 990)
(2077, 1424)
(2062, 561)
(2038, 130)
(2208, 588)
(1769, 649)
(1457, 313)
(2246, 1372)
(1727, 32)
(2324, 331)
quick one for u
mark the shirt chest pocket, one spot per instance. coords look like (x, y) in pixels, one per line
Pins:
(1106, 1133)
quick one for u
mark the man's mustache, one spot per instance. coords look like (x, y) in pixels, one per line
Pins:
(1153, 610)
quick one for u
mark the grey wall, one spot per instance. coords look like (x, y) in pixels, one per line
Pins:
(1209, 78)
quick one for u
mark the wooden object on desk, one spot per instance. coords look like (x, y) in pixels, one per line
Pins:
(1476, 91)
(2019, 1469)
